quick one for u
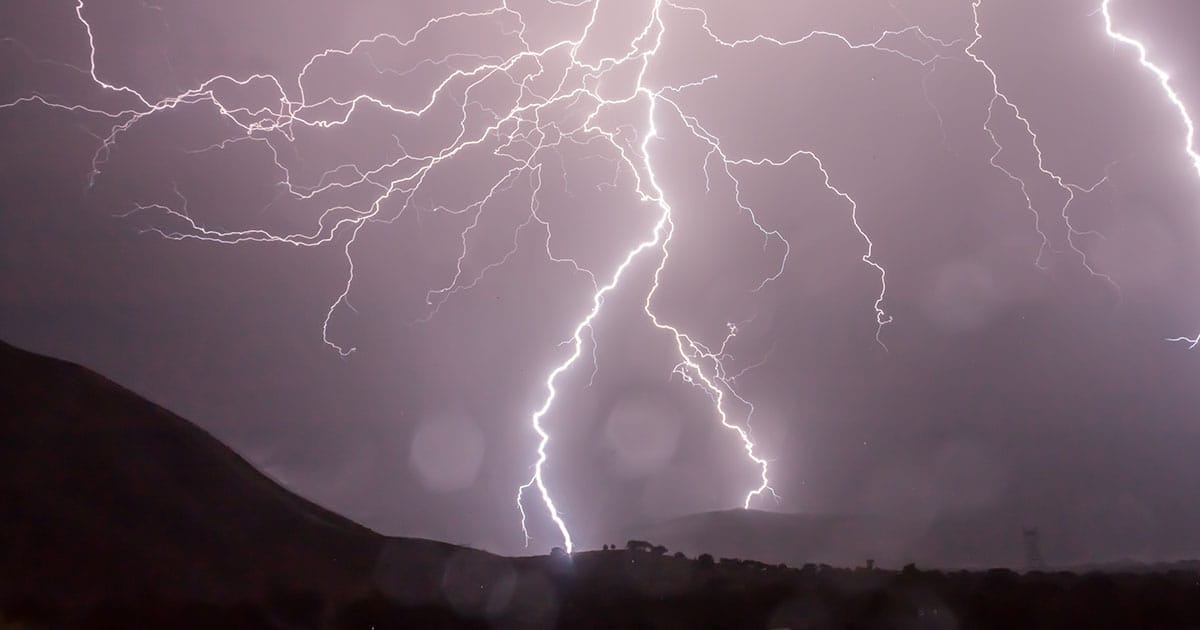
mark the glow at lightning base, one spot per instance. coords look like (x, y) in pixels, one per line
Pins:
(529, 124)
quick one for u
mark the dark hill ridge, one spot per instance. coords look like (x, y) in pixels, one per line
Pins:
(964, 540)
(104, 495)
(979, 538)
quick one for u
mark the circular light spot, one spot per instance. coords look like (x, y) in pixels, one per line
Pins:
(447, 452)
(643, 433)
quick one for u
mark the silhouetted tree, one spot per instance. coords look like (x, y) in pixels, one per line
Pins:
(638, 545)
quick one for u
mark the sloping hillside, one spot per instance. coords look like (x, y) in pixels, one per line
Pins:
(104, 495)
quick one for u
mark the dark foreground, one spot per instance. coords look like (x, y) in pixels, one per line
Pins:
(637, 589)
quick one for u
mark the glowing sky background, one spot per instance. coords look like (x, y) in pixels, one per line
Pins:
(1043, 394)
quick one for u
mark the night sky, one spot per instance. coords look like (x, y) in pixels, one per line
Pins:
(1014, 380)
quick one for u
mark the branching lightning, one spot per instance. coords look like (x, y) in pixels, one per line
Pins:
(1069, 190)
(561, 99)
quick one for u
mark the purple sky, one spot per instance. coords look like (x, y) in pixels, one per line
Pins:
(1041, 393)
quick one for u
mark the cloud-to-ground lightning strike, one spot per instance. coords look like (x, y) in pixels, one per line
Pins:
(560, 99)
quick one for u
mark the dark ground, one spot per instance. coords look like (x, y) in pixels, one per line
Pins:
(626, 589)
(115, 513)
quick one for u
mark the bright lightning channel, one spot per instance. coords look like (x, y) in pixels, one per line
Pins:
(1164, 80)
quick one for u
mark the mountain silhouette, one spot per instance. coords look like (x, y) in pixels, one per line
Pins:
(979, 539)
(105, 496)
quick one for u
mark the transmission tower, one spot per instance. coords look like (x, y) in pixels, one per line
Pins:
(1033, 549)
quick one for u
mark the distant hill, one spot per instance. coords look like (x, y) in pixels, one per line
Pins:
(106, 496)
(965, 540)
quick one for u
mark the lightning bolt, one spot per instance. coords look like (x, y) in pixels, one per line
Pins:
(1070, 190)
(1164, 80)
(555, 97)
